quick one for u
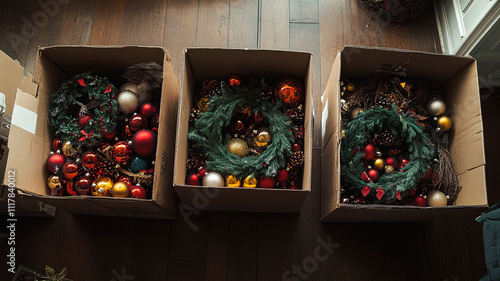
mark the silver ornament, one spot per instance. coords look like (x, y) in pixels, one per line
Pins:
(213, 179)
(436, 107)
(128, 102)
(129, 86)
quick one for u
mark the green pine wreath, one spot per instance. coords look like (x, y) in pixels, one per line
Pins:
(391, 186)
(71, 96)
(207, 134)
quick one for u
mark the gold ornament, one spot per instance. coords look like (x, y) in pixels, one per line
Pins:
(128, 102)
(436, 198)
(379, 164)
(389, 169)
(342, 134)
(119, 189)
(203, 104)
(101, 186)
(262, 138)
(54, 182)
(436, 107)
(444, 123)
(356, 111)
(250, 182)
(232, 181)
(68, 150)
(350, 87)
(238, 147)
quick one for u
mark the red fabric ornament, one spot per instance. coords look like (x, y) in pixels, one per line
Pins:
(290, 91)
(370, 151)
(148, 110)
(55, 162)
(83, 185)
(122, 153)
(364, 176)
(202, 171)
(282, 176)
(267, 182)
(193, 179)
(373, 175)
(70, 187)
(108, 89)
(419, 201)
(81, 82)
(234, 80)
(56, 145)
(380, 192)
(126, 180)
(137, 122)
(138, 192)
(144, 142)
(365, 190)
(398, 195)
(90, 160)
(392, 161)
(70, 170)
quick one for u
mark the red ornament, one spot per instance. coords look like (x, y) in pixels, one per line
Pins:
(70, 187)
(427, 175)
(137, 122)
(238, 127)
(138, 192)
(412, 192)
(70, 170)
(282, 176)
(122, 153)
(403, 163)
(202, 171)
(290, 91)
(55, 162)
(380, 192)
(148, 110)
(90, 160)
(234, 80)
(373, 175)
(125, 179)
(370, 151)
(109, 135)
(296, 147)
(155, 122)
(392, 161)
(267, 182)
(144, 142)
(398, 195)
(419, 201)
(83, 185)
(84, 120)
(366, 190)
(56, 145)
(193, 179)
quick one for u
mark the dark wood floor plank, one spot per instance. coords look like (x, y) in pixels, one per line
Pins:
(76, 27)
(189, 236)
(304, 11)
(144, 23)
(213, 23)
(186, 270)
(242, 247)
(274, 25)
(424, 34)
(243, 23)
(108, 18)
(217, 258)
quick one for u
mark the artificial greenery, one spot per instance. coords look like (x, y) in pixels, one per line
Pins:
(361, 130)
(207, 134)
(82, 95)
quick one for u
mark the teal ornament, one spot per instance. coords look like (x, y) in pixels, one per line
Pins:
(138, 164)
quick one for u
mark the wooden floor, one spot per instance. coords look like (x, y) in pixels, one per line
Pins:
(241, 246)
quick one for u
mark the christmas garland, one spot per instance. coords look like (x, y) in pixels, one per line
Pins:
(207, 134)
(393, 185)
(94, 96)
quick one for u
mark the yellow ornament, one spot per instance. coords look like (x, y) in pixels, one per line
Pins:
(342, 134)
(250, 182)
(203, 104)
(232, 181)
(350, 87)
(54, 182)
(444, 123)
(238, 147)
(68, 150)
(389, 169)
(101, 186)
(379, 164)
(356, 111)
(437, 198)
(119, 189)
(262, 138)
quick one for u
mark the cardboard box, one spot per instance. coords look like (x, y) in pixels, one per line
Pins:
(30, 136)
(203, 63)
(459, 77)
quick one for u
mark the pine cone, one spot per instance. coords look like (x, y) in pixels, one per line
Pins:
(383, 101)
(194, 114)
(394, 97)
(194, 160)
(253, 83)
(385, 138)
(296, 160)
(110, 168)
(296, 114)
(268, 93)
(344, 107)
(210, 88)
(394, 151)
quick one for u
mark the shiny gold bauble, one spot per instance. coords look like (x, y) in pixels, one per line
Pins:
(203, 104)
(54, 182)
(238, 147)
(388, 169)
(232, 181)
(436, 107)
(262, 137)
(444, 123)
(379, 164)
(436, 198)
(101, 186)
(68, 149)
(250, 182)
(356, 111)
(119, 189)
(342, 134)
(350, 87)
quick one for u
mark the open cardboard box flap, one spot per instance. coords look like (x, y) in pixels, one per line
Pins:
(458, 75)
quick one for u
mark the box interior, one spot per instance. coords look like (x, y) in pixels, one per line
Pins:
(202, 63)
(459, 77)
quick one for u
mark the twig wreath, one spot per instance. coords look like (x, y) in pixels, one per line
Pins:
(94, 96)
(207, 134)
(390, 186)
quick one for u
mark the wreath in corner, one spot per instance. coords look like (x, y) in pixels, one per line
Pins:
(207, 134)
(92, 98)
(394, 185)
